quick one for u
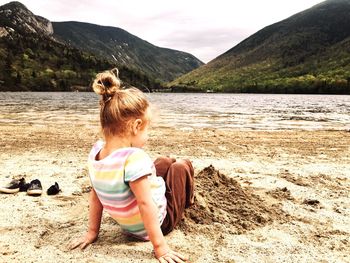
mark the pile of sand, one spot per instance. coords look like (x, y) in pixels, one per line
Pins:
(221, 199)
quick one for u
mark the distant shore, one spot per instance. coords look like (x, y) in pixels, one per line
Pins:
(170, 90)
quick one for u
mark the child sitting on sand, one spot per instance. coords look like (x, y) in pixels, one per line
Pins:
(146, 199)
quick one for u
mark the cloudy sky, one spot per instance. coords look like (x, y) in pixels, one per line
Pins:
(203, 28)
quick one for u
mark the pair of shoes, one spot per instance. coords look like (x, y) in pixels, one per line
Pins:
(13, 187)
(33, 188)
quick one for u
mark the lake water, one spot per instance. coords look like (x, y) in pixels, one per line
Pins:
(187, 111)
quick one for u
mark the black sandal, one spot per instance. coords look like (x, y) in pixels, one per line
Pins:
(53, 189)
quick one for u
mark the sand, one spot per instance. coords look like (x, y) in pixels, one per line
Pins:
(261, 196)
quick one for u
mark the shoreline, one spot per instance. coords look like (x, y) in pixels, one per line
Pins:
(167, 90)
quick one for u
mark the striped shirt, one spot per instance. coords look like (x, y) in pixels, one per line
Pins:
(110, 178)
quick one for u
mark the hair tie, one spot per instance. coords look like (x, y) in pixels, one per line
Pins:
(108, 99)
(115, 72)
(104, 101)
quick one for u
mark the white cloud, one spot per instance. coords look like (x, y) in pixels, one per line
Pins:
(205, 29)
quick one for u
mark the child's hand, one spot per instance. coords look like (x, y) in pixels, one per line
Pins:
(84, 241)
(172, 256)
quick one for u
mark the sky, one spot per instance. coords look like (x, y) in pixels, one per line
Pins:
(206, 29)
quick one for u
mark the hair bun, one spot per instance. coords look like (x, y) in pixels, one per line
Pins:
(107, 83)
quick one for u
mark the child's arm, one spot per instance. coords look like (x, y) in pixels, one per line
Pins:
(142, 191)
(95, 215)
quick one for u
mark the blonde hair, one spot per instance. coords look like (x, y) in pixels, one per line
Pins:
(119, 106)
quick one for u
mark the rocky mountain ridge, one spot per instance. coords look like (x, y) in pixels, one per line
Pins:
(15, 16)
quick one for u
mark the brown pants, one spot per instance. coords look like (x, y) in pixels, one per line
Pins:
(178, 177)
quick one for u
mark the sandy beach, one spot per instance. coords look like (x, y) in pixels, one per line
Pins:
(261, 196)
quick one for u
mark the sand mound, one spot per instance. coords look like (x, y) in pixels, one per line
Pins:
(220, 199)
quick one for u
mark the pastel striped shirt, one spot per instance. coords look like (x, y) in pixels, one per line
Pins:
(110, 178)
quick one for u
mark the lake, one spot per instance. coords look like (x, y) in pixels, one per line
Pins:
(187, 111)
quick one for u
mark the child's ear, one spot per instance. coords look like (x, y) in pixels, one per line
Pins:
(137, 125)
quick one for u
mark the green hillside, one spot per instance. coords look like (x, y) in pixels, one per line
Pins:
(36, 63)
(305, 53)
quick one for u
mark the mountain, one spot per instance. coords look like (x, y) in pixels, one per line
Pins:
(160, 63)
(308, 52)
(17, 15)
(31, 59)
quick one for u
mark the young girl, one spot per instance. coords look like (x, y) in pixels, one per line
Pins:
(146, 199)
